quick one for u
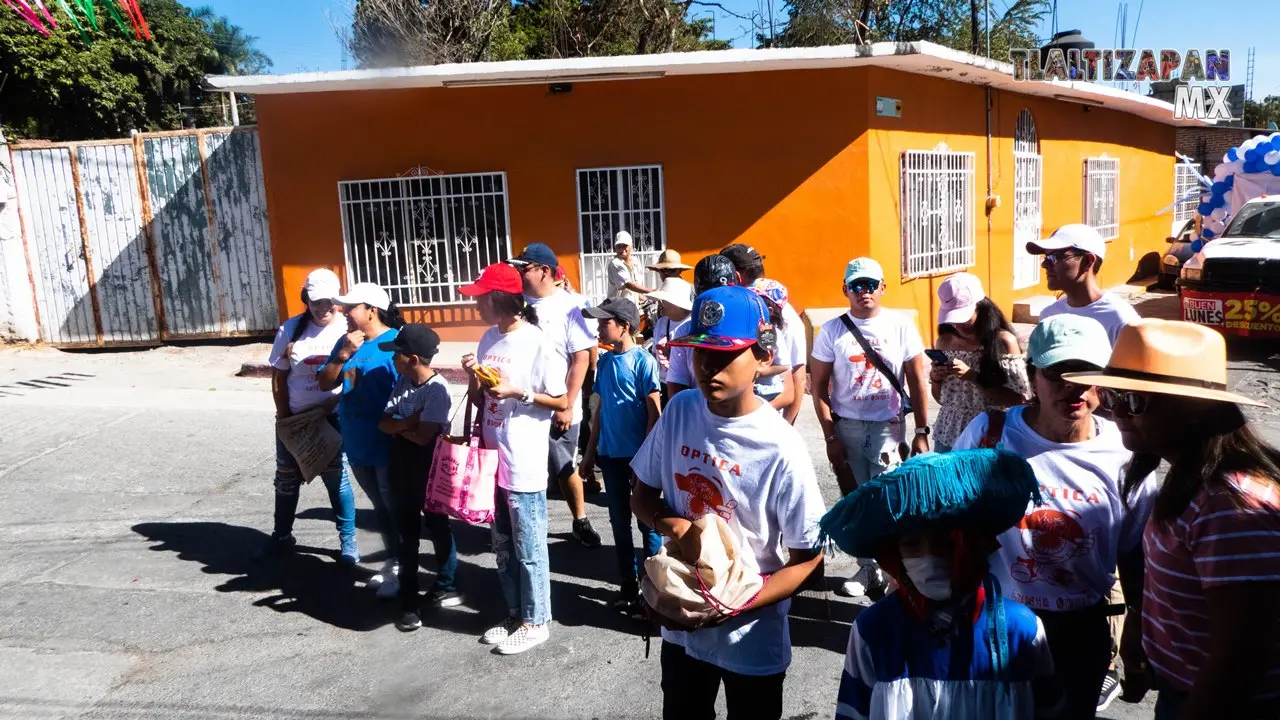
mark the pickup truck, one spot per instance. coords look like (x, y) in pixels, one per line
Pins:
(1233, 283)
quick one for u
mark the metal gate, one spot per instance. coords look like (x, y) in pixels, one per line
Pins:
(1027, 187)
(133, 242)
(611, 200)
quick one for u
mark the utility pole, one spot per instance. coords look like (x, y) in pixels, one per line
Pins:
(235, 111)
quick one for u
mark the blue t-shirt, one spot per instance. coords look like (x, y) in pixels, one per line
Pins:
(624, 381)
(367, 380)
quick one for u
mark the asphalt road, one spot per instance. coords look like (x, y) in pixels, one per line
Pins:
(133, 493)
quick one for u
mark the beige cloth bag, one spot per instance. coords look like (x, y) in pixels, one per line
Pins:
(716, 585)
(310, 439)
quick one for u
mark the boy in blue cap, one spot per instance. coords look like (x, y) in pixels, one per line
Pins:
(945, 643)
(724, 450)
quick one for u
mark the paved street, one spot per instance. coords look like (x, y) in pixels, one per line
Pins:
(135, 485)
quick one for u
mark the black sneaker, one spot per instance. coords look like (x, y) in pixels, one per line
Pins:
(585, 534)
(1110, 689)
(445, 598)
(409, 622)
(276, 546)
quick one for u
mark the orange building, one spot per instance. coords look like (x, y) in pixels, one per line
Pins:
(928, 159)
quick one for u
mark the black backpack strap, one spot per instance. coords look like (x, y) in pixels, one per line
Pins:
(877, 360)
(298, 328)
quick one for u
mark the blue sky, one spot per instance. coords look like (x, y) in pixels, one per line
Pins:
(299, 34)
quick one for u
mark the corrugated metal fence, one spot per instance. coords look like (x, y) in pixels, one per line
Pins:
(159, 237)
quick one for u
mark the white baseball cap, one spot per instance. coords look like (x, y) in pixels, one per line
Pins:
(365, 293)
(321, 284)
(863, 267)
(623, 238)
(1076, 235)
(960, 295)
(675, 291)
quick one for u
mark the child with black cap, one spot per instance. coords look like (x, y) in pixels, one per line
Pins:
(416, 413)
(724, 450)
(626, 405)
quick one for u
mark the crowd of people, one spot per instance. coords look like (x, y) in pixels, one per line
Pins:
(1021, 551)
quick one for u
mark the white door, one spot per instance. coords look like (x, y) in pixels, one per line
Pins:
(611, 200)
(1027, 188)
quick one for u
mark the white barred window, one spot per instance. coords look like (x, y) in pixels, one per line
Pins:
(422, 237)
(1185, 184)
(611, 200)
(1102, 195)
(937, 211)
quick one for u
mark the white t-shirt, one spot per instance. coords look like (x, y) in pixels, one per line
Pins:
(858, 390)
(619, 275)
(306, 358)
(560, 317)
(755, 472)
(790, 352)
(664, 330)
(521, 433)
(1111, 311)
(1062, 554)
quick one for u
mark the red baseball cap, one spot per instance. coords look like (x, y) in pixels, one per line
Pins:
(499, 277)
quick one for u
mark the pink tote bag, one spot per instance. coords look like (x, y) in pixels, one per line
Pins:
(463, 476)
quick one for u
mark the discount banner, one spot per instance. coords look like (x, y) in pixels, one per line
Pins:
(1244, 314)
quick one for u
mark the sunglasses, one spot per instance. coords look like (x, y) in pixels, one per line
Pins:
(1054, 258)
(1130, 402)
(858, 287)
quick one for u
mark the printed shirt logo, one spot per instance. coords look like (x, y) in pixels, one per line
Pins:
(705, 494)
(1050, 540)
(711, 313)
(865, 380)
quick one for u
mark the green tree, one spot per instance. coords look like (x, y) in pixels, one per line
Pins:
(60, 88)
(414, 32)
(235, 51)
(1259, 114)
(956, 24)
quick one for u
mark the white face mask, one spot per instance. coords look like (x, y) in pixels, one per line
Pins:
(931, 575)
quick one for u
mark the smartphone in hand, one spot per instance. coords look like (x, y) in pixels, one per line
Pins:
(937, 356)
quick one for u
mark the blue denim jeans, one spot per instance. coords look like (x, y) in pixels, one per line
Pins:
(520, 547)
(870, 447)
(617, 487)
(288, 482)
(375, 481)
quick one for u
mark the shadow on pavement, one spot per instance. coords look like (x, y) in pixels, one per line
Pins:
(320, 588)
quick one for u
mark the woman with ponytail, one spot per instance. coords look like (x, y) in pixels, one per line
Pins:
(301, 345)
(367, 375)
(516, 421)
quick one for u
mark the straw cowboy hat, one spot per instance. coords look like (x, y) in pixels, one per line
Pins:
(669, 260)
(1170, 358)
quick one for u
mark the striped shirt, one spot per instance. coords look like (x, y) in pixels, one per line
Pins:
(1222, 538)
(895, 669)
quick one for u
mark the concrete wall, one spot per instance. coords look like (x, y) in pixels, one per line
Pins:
(17, 314)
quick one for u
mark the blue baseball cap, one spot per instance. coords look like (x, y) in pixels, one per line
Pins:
(729, 317)
(536, 254)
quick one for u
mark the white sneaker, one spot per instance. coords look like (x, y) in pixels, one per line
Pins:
(526, 637)
(498, 633)
(869, 581)
(389, 589)
(388, 572)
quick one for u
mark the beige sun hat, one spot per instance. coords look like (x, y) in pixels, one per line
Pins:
(1167, 357)
(669, 260)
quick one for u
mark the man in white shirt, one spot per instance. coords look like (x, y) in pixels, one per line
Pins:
(560, 317)
(750, 267)
(624, 277)
(1073, 255)
(860, 409)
